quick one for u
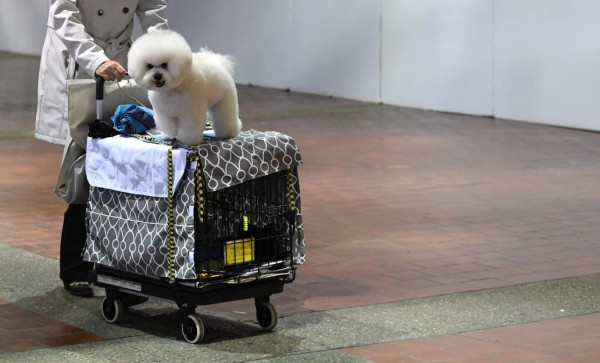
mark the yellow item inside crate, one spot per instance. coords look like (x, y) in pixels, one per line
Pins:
(239, 251)
(204, 276)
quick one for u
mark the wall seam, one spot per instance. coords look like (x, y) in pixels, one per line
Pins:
(380, 96)
(493, 55)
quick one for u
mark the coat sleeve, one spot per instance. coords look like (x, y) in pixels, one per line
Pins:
(152, 15)
(65, 20)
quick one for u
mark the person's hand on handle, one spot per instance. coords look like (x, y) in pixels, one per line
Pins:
(111, 71)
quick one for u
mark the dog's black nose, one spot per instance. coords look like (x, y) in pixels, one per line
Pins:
(158, 76)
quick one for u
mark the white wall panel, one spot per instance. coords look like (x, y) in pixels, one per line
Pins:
(438, 55)
(548, 62)
(335, 48)
(23, 26)
(530, 60)
(255, 32)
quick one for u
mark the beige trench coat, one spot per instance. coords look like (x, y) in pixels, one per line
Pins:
(81, 35)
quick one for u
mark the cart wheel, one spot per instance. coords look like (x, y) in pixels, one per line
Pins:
(266, 314)
(192, 329)
(112, 310)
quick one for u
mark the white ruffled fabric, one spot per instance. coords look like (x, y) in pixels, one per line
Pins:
(130, 165)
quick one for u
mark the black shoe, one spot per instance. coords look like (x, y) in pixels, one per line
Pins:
(80, 288)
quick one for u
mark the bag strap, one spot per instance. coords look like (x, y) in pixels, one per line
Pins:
(170, 217)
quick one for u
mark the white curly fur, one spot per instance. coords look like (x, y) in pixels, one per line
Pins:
(183, 86)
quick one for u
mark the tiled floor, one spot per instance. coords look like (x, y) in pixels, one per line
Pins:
(562, 340)
(398, 204)
(22, 329)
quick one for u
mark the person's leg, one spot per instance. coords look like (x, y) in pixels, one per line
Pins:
(73, 270)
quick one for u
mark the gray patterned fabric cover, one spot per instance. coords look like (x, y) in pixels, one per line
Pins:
(130, 232)
(251, 155)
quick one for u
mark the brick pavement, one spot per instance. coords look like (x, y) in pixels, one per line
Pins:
(398, 203)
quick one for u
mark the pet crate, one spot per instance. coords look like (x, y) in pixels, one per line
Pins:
(228, 227)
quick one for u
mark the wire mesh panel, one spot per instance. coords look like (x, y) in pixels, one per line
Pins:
(245, 229)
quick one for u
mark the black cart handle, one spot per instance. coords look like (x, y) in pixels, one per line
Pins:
(99, 96)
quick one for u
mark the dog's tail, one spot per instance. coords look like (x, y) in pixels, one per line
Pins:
(227, 61)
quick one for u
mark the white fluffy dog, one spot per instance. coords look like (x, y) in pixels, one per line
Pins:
(183, 86)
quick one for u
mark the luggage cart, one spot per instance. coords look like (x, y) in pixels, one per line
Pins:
(243, 250)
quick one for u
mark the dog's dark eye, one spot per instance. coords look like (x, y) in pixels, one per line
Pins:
(150, 66)
(164, 65)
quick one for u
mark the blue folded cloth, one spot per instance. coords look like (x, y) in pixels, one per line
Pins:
(133, 119)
